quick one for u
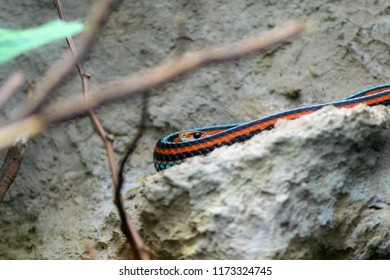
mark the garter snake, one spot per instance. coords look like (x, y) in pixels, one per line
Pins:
(176, 147)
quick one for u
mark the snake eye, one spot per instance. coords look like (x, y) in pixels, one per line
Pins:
(197, 134)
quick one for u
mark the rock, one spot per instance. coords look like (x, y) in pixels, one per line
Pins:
(312, 188)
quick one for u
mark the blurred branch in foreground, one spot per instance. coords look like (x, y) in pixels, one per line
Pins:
(138, 83)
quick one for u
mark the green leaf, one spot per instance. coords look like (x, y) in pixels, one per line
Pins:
(14, 42)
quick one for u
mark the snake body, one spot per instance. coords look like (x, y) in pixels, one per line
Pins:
(175, 148)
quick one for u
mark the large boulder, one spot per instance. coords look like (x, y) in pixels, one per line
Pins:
(312, 188)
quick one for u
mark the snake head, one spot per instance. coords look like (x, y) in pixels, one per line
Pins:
(190, 135)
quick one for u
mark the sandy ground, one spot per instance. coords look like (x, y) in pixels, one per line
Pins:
(62, 197)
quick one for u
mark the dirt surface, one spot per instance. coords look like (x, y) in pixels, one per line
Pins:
(62, 197)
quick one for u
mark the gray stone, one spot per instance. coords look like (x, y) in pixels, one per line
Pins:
(307, 189)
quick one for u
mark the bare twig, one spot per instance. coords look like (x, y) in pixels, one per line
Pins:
(84, 80)
(10, 86)
(69, 40)
(140, 132)
(11, 165)
(128, 227)
(139, 82)
(14, 157)
(63, 67)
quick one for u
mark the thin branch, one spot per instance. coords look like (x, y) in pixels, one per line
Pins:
(11, 165)
(14, 156)
(69, 39)
(10, 87)
(128, 227)
(63, 67)
(107, 141)
(148, 79)
(139, 82)
(140, 132)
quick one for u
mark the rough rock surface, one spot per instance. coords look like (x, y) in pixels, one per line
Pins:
(62, 196)
(307, 189)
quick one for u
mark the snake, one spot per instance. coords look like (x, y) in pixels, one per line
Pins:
(175, 148)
